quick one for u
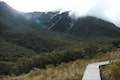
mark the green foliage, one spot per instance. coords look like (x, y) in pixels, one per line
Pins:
(116, 43)
(5, 67)
(20, 53)
(24, 46)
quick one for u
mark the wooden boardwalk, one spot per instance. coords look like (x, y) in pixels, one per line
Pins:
(92, 71)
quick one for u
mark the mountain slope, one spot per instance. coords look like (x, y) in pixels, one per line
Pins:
(60, 23)
(94, 27)
(41, 19)
(22, 45)
(84, 26)
(12, 20)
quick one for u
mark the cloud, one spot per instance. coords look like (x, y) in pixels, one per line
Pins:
(106, 9)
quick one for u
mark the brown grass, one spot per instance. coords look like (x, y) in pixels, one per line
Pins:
(114, 55)
(73, 70)
(69, 71)
(112, 71)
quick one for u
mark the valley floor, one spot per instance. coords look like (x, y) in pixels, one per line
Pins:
(74, 70)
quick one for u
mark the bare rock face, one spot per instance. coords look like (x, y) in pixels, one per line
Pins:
(84, 27)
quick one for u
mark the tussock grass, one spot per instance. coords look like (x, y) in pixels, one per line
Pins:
(113, 55)
(66, 71)
(112, 71)
(74, 70)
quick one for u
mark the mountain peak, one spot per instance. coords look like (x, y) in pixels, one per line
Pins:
(88, 26)
(3, 5)
(5, 8)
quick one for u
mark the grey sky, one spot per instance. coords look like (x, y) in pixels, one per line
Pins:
(106, 9)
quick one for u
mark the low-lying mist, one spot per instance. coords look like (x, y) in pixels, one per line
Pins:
(105, 9)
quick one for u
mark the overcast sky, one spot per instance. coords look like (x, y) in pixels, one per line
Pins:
(107, 9)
